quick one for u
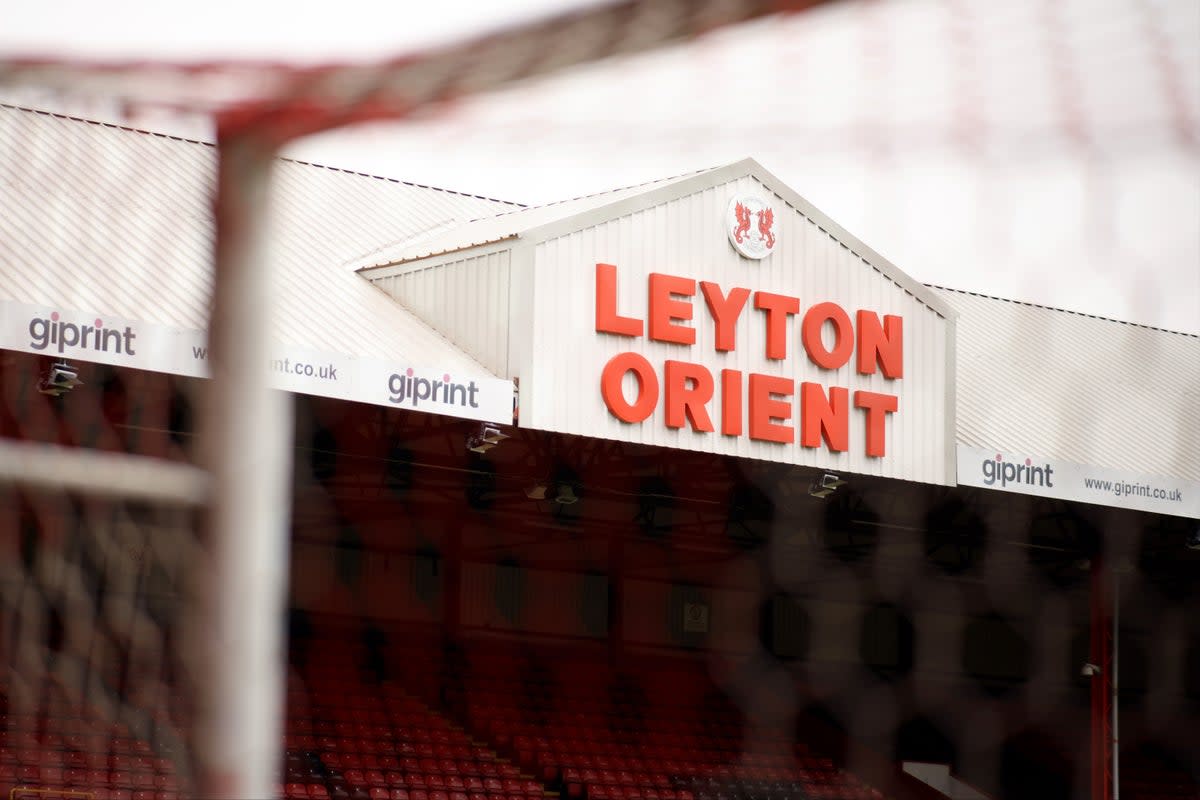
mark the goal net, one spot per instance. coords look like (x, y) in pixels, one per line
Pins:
(145, 516)
(213, 588)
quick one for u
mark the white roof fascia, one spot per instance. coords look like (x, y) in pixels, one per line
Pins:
(437, 259)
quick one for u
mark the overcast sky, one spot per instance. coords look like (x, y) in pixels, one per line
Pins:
(1048, 153)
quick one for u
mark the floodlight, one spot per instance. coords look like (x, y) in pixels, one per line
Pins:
(485, 438)
(61, 379)
(1193, 539)
(825, 485)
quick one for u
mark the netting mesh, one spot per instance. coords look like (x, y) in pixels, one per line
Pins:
(556, 614)
(97, 693)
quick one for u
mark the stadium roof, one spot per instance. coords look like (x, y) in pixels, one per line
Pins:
(513, 223)
(118, 221)
(1076, 387)
(85, 202)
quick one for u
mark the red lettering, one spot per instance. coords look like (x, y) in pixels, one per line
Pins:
(881, 344)
(664, 307)
(647, 391)
(725, 310)
(607, 318)
(765, 408)
(689, 387)
(810, 332)
(825, 418)
(731, 402)
(778, 307)
(877, 406)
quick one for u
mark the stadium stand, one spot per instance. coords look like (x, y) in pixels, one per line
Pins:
(491, 720)
(73, 756)
(399, 715)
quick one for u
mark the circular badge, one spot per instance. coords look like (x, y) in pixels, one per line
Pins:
(750, 223)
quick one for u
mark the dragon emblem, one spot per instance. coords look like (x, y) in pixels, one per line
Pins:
(741, 213)
(743, 222)
(766, 218)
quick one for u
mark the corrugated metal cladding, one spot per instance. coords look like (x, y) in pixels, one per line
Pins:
(1050, 383)
(101, 218)
(500, 226)
(466, 300)
(686, 237)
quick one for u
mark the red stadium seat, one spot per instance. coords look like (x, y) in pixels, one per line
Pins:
(52, 775)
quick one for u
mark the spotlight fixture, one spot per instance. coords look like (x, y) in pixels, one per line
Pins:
(484, 439)
(563, 493)
(566, 495)
(825, 485)
(1089, 670)
(61, 379)
(1193, 539)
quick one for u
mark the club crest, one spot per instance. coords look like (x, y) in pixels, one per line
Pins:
(750, 223)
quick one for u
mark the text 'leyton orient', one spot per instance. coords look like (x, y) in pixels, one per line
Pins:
(686, 388)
